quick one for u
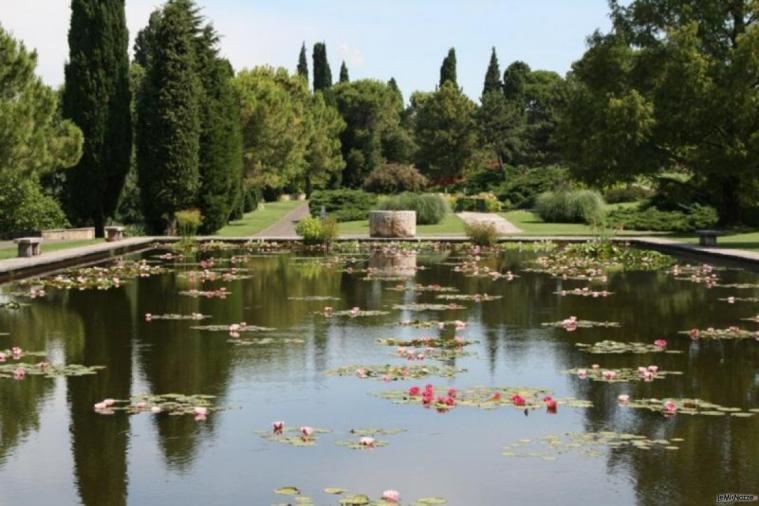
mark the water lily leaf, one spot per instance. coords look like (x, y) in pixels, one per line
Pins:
(287, 491)
(431, 500)
(334, 491)
(355, 500)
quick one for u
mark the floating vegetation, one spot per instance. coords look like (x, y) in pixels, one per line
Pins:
(472, 297)
(594, 260)
(353, 313)
(428, 324)
(572, 323)
(536, 246)
(523, 398)
(733, 300)
(388, 498)
(432, 342)
(309, 298)
(149, 317)
(740, 286)
(233, 328)
(378, 277)
(631, 347)
(12, 305)
(19, 371)
(753, 319)
(428, 307)
(232, 274)
(220, 293)
(728, 333)
(588, 444)
(419, 288)
(302, 436)
(100, 278)
(200, 406)
(389, 372)
(584, 292)
(265, 341)
(623, 375)
(684, 406)
(17, 353)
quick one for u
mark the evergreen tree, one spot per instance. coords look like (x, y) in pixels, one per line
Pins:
(220, 165)
(448, 68)
(344, 77)
(168, 133)
(492, 76)
(303, 63)
(515, 79)
(322, 72)
(97, 98)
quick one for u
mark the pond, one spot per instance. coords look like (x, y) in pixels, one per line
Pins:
(516, 412)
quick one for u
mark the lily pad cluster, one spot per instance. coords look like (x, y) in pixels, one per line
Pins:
(220, 293)
(621, 375)
(171, 404)
(728, 333)
(99, 278)
(294, 436)
(265, 341)
(19, 371)
(619, 347)
(12, 305)
(588, 444)
(419, 288)
(671, 407)
(232, 274)
(310, 298)
(389, 372)
(476, 297)
(428, 307)
(388, 498)
(733, 300)
(353, 313)
(428, 324)
(233, 328)
(366, 439)
(427, 341)
(176, 317)
(573, 323)
(584, 292)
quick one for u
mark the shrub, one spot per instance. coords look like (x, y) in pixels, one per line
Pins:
(344, 205)
(24, 208)
(482, 234)
(570, 206)
(188, 221)
(522, 186)
(627, 193)
(672, 192)
(483, 203)
(317, 231)
(395, 178)
(430, 208)
(690, 218)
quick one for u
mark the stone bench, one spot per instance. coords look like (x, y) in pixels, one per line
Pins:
(28, 246)
(708, 237)
(114, 233)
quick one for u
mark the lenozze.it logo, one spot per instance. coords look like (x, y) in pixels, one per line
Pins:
(732, 498)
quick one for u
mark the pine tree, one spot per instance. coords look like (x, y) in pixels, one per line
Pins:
(97, 98)
(492, 76)
(322, 72)
(168, 133)
(448, 68)
(344, 77)
(303, 62)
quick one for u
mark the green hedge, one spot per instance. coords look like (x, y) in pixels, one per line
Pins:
(484, 203)
(343, 205)
(430, 208)
(691, 218)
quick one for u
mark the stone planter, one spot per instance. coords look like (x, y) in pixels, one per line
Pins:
(392, 224)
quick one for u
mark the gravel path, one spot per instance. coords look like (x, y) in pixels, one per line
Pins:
(503, 225)
(286, 226)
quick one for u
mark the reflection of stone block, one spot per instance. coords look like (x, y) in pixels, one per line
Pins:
(392, 223)
(382, 263)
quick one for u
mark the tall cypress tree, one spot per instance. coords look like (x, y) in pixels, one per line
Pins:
(448, 68)
(492, 76)
(168, 133)
(97, 98)
(303, 62)
(344, 77)
(322, 72)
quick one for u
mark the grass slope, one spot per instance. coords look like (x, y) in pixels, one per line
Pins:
(260, 219)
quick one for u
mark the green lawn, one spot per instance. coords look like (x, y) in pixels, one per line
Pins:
(531, 224)
(748, 240)
(260, 219)
(6, 253)
(450, 225)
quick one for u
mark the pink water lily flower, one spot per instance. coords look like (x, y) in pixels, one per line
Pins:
(16, 352)
(609, 375)
(391, 496)
(355, 311)
(366, 442)
(148, 317)
(653, 368)
(518, 400)
(19, 373)
(496, 396)
(642, 370)
(413, 391)
(3, 357)
(200, 410)
(361, 372)
(661, 343)
(670, 407)
(306, 432)
(100, 406)
(582, 373)
(694, 333)
(278, 427)
(623, 398)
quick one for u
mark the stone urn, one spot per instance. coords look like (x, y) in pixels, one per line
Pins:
(392, 224)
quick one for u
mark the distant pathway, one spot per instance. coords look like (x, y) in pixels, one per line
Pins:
(285, 227)
(503, 225)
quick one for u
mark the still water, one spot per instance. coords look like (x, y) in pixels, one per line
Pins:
(54, 449)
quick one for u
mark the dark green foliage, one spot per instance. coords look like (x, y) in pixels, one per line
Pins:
(570, 206)
(430, 208)
(672, 192)
(168, 106)
(344, 77)
(493, 76)
(24, 208)
(484, 203)
(515, 81)
(97, 98)
(690, 218)
(501, 125)
(523, 186)
(129, 210)
(322, 72)
(343, 205)
(395, 178)
(220, 165)
(303, 63)
(252, 198)
(627, 193)
(448, 69)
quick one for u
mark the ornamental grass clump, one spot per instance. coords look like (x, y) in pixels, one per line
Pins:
(570, 206)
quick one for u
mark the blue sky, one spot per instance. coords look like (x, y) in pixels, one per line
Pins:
(405, 39)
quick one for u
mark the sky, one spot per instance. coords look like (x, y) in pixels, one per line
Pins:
(405, 39)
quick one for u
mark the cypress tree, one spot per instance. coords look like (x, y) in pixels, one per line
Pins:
(322, 72)
(303, 62)
(492, 76)
(344, 77)
(168, 133)
(448, 68)
(97, 98)
(220, 163)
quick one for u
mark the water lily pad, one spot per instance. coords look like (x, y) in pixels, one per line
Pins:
(685, 407)
(98, 278)
(476, 297)
(620, 347)
(355, 500)
(431, 500)
(287, 491)
(175, 317)
(584, 292)
(423, 288)
(292, 436)
(428, 307)
(389, 372)
(571, 324)
(588, 444)
(621, 375)
(334, 491)
(728, 333)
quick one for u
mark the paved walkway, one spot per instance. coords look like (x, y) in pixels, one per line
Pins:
(502, 225)
(285, 227)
